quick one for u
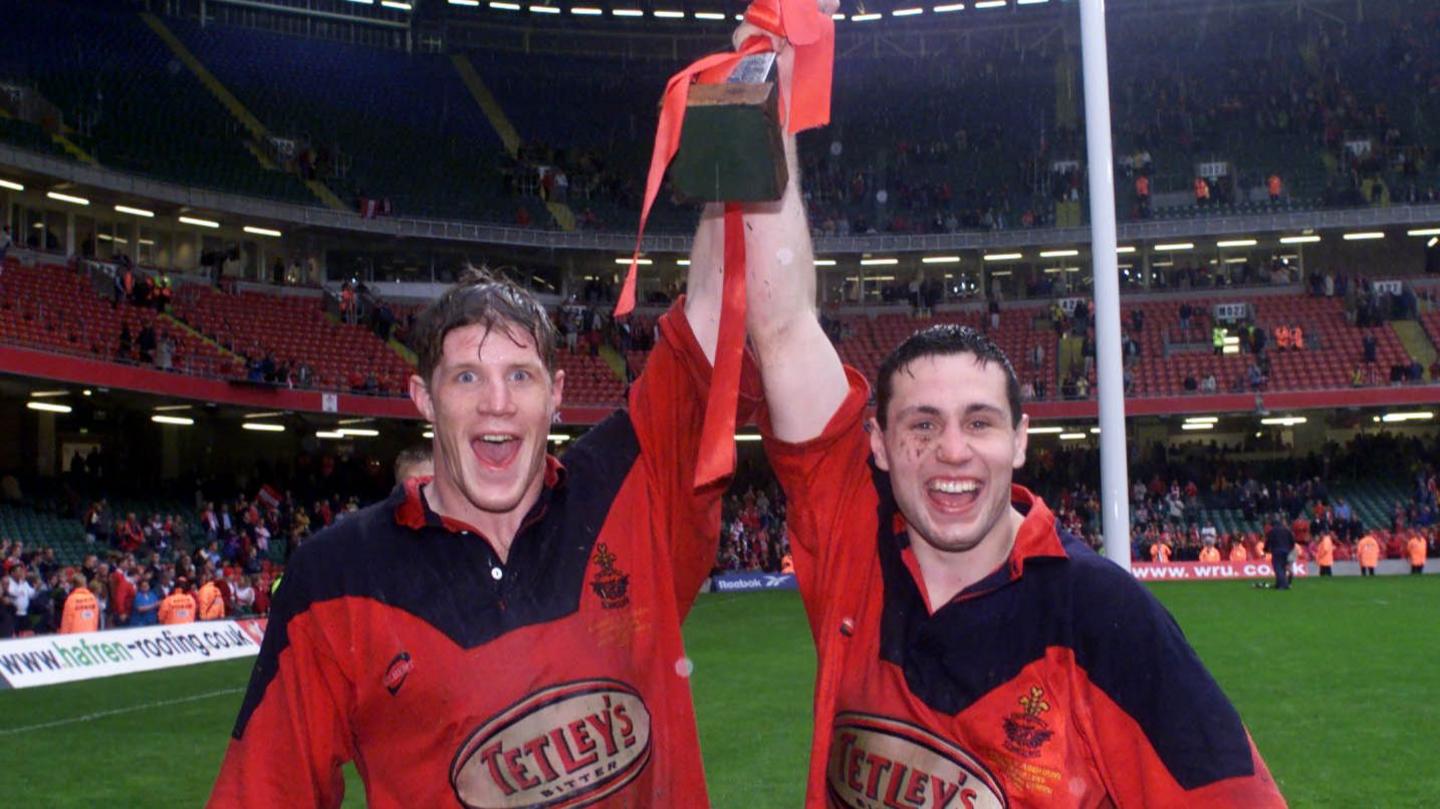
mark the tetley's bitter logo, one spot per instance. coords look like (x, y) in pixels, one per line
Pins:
(881, 763)
(565, 747)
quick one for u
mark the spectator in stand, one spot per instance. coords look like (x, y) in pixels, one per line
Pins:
(16, 596)
(82, 609)
(147, 604)
(414, 462)
(245, 596)
(122, 598)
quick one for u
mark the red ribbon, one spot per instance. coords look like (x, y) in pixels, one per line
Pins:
(812, 35)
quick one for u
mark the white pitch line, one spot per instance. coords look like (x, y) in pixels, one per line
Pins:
(91, 717)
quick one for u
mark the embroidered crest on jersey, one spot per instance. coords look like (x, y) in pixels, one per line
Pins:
(611, 583)
(563, 747)
(1025, 730)
(878, 761)
(397, 671)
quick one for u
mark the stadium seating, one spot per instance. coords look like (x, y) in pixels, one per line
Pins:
(134, 105)
(965, 142)
(293, 330)
(51, 308)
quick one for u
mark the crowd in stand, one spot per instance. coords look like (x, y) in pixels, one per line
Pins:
(752, 531)
(1170, 489)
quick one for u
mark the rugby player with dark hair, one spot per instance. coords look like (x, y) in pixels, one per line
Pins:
(971, 654)
(506, 632)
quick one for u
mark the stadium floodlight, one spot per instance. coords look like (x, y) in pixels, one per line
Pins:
(1283, 421)
(358, 432)
(134, 211)
(1420, 232)
(398, 5)
(544, 9)
(49, 407)
(1030, 2)
(990, 4)
(682, 262)
(1044, 430)
(747, 437)
(824, 262)
(269, 414)
(48, 394)
(1201, 420)
(11, 186)
(499, 6)
(1175, 247)
(1365, 236)
(329, 434)
(178, 421)
(348, 422)
(1237, 243)
(557, 438)
(837, 17)
(668, 14)
(363, 2)
(906, 12)
(199, 223)
(1420, 415)
(1066, 436)
(172, 408)
(73, 200)
(471, 3)
(428, 434)
(948, 7)
(1094, 430)
(1434, 240)
(709, 15)
(1311, 239)
(263, 427)
(1003, 256)
(940, 260)
(1197, 425)
(1058, 253)
(254, 231)
(587, 11)
(1124, 248)
(627, 12)
(643, 262)
(879, 262)
(864, 17)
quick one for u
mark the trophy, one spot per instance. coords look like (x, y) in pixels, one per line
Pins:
(730, 148)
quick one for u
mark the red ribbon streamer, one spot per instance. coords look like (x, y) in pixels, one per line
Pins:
(812, 35)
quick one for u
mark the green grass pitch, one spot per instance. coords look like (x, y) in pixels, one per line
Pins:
(1335, 679)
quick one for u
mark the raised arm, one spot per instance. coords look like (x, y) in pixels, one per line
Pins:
(801, 371)
(706, 278)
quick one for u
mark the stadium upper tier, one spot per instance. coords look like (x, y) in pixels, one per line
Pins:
(985, 133)
(225, 335)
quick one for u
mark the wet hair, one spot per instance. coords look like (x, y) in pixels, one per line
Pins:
(480, 298)
(944, 340)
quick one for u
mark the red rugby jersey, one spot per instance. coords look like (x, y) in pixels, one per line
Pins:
(1055, 681)
(400, 641)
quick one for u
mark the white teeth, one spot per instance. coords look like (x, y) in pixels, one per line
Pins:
(496, 439)
(954, 486)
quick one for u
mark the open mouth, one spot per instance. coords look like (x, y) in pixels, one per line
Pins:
(496, 450)
(953, 495)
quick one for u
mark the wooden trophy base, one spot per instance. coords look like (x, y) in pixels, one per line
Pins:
(730, 148)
